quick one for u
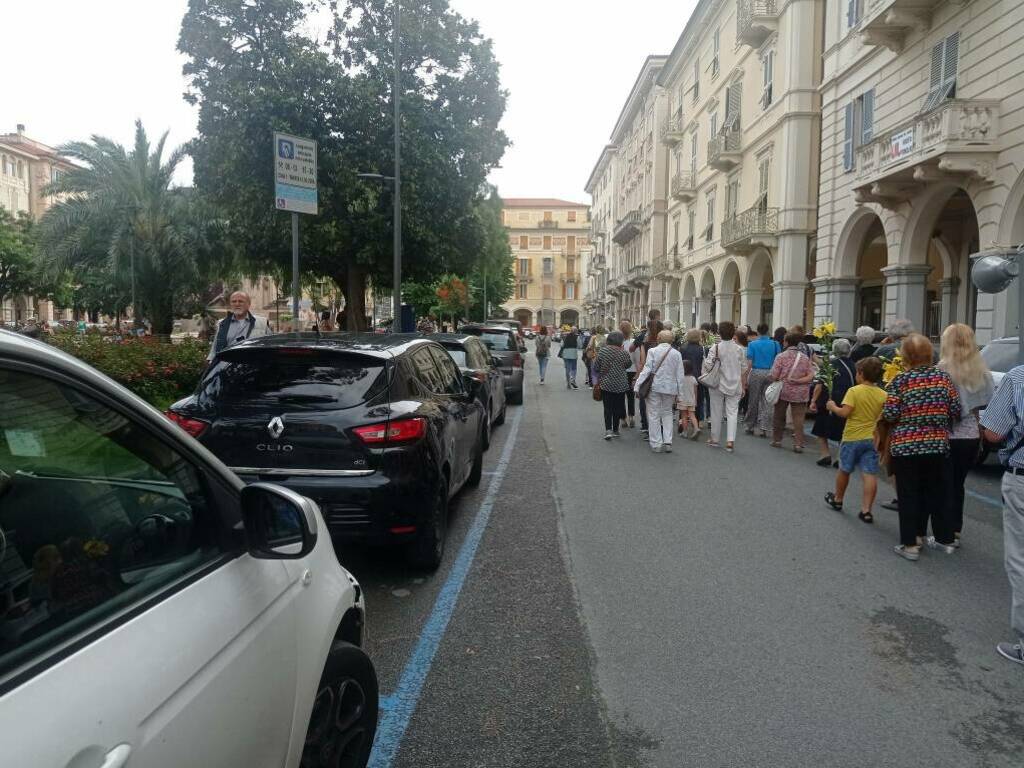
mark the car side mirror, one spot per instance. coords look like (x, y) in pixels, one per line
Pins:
(279, 523)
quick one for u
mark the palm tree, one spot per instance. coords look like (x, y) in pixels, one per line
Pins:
(119, 207)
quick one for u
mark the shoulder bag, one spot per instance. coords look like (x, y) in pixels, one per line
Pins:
(644, 390)
(773, 391)
(713, 375)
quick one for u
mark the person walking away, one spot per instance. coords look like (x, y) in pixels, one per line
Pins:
(664, 366)
(865, 343)
(761, 353)
(630, 347)
(860, 411)
(584, 344)
(649, 337)
(542, 348)
(597, 340)
(729, 360)
(960, 358)
(693, 351)
(1004, 420)
(921, 405)
(686, 403)
(741, 338)
(828, 425)
(610, 371)
(569, 351)
(238, 326)
(793, 368)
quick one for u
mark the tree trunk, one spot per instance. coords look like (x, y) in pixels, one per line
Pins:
(354, 281)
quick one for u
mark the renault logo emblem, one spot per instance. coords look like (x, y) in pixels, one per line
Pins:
(275, 427)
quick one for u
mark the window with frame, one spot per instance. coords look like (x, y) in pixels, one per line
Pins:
(709, 230)
(691, 225)
(716, 42)
(854, 11)
(549, 265)
(570, 216)
(943, 72)
(732, 197)
(858, 126)
(733, 103)
(713, 124)
(524, 242)
(547, 242)
(693, 153)
(524, 267)
(696, 80)
(764, 168)
(521, 291)
(767, 78)
(97, 514)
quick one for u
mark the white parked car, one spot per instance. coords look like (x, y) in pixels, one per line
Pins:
(153, 610)
(1000, 355)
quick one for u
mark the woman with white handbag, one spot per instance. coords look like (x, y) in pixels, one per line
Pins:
(792, 372)
(725, 376)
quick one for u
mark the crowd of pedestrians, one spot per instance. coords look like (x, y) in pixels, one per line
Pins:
(896, 408)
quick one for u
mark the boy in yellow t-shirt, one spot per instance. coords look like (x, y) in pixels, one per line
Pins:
(862, 407)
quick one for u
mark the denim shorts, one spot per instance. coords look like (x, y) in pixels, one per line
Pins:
(859, 453)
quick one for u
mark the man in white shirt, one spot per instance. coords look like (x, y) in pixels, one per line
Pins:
(240, 325)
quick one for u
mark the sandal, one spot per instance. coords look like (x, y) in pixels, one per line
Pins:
(713, 444)
(798, 449)
(830, 499)
(775, 445)
(866, 517)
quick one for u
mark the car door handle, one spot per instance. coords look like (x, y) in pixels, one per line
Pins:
(117, 757)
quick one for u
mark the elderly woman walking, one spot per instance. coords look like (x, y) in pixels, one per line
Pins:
(828, 426)
(664, 367)
(610, 371)
(794, 369)
(960, 358)
(725, 373)
(921, 406)
(632, 349)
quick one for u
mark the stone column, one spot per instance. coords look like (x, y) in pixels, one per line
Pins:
(703, 310)
(948, 288)
(835, 299)
(750, 305)
(723, 306)
(788, 302)
(906, 292)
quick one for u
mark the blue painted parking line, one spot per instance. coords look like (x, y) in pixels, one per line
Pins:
(398, 708)
(982, 497)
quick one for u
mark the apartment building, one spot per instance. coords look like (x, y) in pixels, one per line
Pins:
(547, 236)
(26, 167)
(601, 187)
(742, 131)
(922, 160)
(639, 197)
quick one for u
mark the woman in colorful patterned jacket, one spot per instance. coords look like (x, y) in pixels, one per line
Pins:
(921, 406)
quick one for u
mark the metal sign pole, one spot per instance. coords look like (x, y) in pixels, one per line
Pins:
(295, 271)
(396, 323)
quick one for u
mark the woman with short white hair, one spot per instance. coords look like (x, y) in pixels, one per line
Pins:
(865, 344)
(664, 366)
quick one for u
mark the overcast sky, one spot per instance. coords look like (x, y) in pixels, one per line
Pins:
(93, 67)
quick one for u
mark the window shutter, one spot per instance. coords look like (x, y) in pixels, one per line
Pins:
(734, 97)
(714, 123)
(851, 14)
(693, 153)
(867, 117)
(762, 182)
(848, 139)
(935, 76)
(949, 65)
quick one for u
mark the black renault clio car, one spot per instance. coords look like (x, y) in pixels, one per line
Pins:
(380, 431)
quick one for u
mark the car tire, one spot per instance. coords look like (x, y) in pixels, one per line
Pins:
(516, 398)
(344, 717)
(501, 416)
(426, 551)
(477, 472)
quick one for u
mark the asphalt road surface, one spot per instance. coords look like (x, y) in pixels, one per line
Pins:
(601, 605)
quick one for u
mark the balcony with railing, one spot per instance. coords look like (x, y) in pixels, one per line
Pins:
(570, 277)
(640, 274)
(627, 227)
(524, 277)
(674, 131)
(724, 150)
(755, 21)
(547, 224)
(887, 22)
(757, 226)
(684, 186)
(958, 138)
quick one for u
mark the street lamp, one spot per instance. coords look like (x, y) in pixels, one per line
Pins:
(992, 271)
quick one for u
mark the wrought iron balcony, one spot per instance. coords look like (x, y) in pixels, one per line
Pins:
(547, 224)
(684, 186)
(627, 227)
(570, 277)
(754, 227)
(640, 274)
(959, 137)
(527, 278)
(724, 151)
(674, 131)
(755, 21)
(661, 265)
(887, 22)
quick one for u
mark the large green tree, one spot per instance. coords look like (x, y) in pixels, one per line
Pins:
(253, 68)
(17, 256)
(118, 214)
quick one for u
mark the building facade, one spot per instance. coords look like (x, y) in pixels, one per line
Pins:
(922, 161)
(601, 187)
(26, 167)
(548, 238)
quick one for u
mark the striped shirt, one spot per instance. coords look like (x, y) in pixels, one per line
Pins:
(1003, 416)
(923, 404)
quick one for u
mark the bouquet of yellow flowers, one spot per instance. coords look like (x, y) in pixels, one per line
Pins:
(892, 369)
(825, 333)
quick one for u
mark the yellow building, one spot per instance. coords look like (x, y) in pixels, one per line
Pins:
(26, 167)
(547, 237)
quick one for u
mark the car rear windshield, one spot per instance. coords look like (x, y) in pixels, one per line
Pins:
(1000, 356)
(498, 341)
(294, 378)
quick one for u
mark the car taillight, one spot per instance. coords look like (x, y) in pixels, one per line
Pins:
(517, 360)
(194, 427)
(393, 433)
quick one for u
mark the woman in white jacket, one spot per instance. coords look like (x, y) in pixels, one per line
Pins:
(665, 364)
(730, 360)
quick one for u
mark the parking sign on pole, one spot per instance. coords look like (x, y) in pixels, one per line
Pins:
(295, 191)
